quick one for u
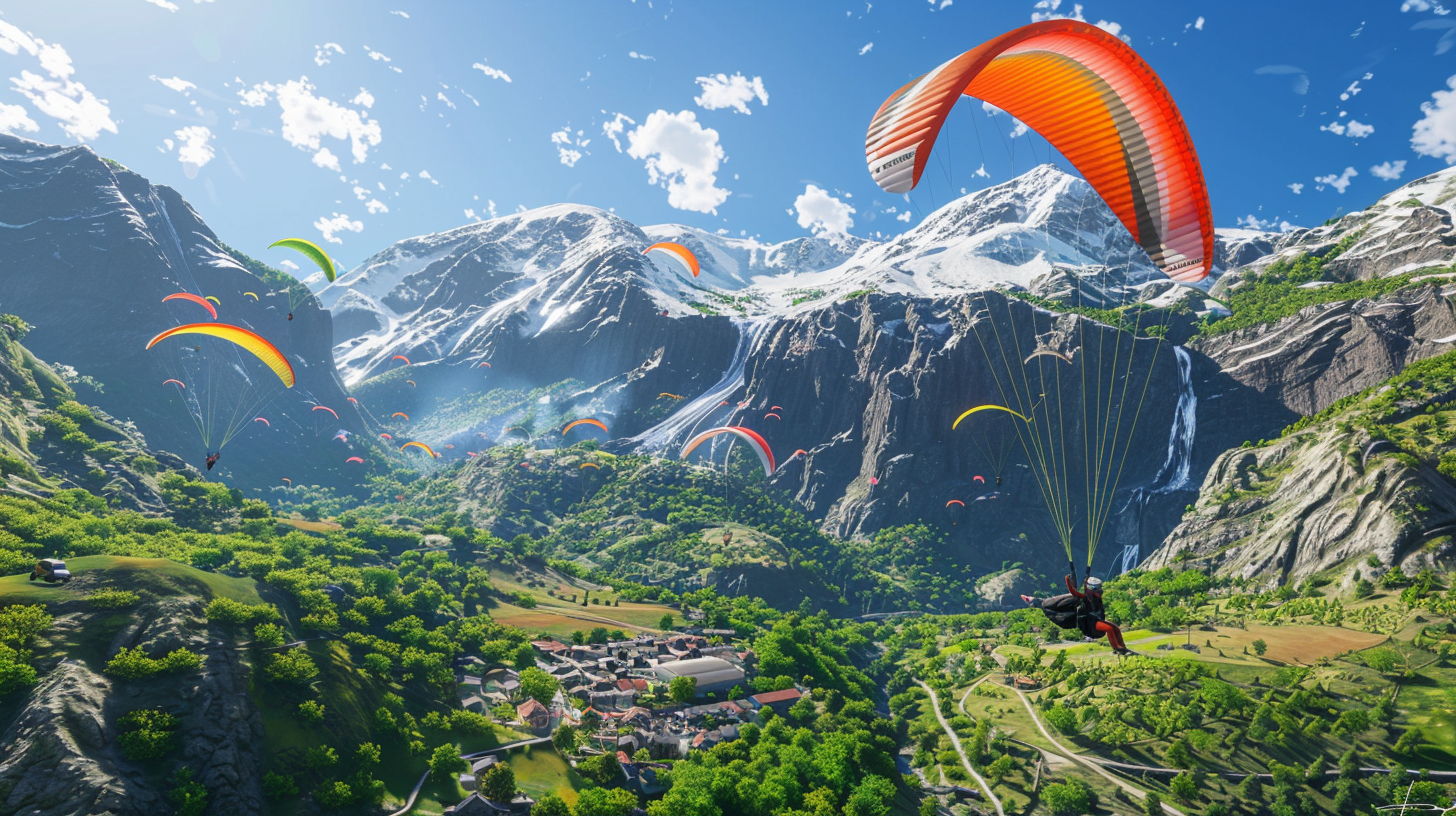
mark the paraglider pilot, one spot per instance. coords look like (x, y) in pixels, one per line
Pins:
(212, 459)
(1082, 610)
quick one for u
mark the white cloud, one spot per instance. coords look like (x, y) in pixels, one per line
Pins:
(1198, 24)
(363, 99)
(177, 84)
(361, 193)
(307, 119)
(339, 223)
(79, 113)
(723, 91)
(1424, 5)
(470, 213)
(682, 156)
(403, 14)
(567, 145)
(613, 129)
(820, 212)
(1388, 171)
(1050, 10)
(15, 117)
(1355, 130)
(375, 55)
(1301, 78)
(1017, 128)
(904, 216)
(425, 174)
(321, 52)
(981, 172)
(1339, 182)
(1296, 187)
(490, 206)
(1435, 133)
(256, 96)
(440, 95)
(326, 159)
(1353, 90)
(163, 4)
(493, 73)
(375, 207)
(635, 55)
(1253, 222)
(866, 48)
(194, 148)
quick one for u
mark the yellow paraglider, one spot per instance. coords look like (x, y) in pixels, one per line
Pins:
(988, 408)
(311, 251)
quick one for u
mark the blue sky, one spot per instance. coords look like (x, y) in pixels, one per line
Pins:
(369, 122)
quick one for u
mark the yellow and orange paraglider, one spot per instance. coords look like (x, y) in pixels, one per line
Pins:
(677, 252)
(422, 446)
(244, 339)
(596, 423)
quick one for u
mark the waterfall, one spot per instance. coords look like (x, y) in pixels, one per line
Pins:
(675, 429)
(1177, 465)
(1179, 462)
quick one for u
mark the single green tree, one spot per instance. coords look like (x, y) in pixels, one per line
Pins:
(446, 763)
(538, 685)
(683, 689)
(498, 783)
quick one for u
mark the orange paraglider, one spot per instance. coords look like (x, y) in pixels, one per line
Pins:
(1094, 100)
(677, 252)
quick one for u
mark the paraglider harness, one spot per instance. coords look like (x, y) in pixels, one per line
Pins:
(1078, 610)
(212, 459)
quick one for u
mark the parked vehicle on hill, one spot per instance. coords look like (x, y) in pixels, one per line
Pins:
(51, 570)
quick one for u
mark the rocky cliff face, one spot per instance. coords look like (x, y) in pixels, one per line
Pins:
(1308, 361)
(1317, 501)
(65, 760)
(92, 249)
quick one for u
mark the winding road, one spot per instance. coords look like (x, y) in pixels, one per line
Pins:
(1096, 767)
(956, 741)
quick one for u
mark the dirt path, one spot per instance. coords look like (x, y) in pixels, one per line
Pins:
(956, 741)
(1136, 792)
(410, 803)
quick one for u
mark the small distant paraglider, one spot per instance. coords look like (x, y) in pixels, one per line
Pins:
(596, 423)
(400, 357)
(354, 459)
(297, 291)
(422, 446)
(263, 420)
(331, 411)
(412, 383)
(753, 440)
(677, 252)
(386, 436)
(191, 298)
(178, 382)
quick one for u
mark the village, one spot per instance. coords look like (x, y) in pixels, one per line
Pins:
(642, 702)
